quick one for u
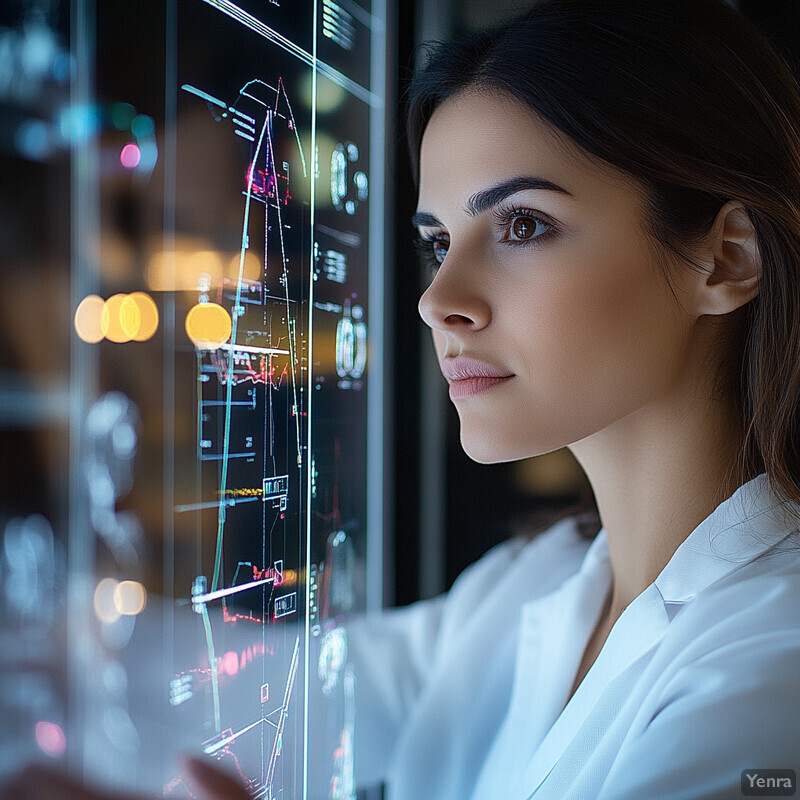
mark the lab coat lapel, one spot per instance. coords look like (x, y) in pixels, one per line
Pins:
(639, 629)
(556, 628)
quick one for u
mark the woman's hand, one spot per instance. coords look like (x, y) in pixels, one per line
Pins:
(45, 783)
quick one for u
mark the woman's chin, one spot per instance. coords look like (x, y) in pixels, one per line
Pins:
(486, 446)
(485, 449)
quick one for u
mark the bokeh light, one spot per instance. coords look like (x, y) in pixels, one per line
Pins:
(122, 115)
(33, 139)
(89, 319)
(194, 263)
(330, 95)
(51, 739)
(208, 325)
(121, 318)
(252, 267)
(209, 261)
(129, 156)
(148, 312)
(148, 151)
(142, 125)
(77, 122)
(229, 663)
(130, 598)
(104, 606)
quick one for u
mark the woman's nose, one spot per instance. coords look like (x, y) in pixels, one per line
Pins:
(453, 302)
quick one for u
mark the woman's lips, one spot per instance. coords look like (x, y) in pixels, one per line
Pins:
(470, 376)
(468, 387)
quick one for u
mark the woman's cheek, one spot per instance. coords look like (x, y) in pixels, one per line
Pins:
(582, 343)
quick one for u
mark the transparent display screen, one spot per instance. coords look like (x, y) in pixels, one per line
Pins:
(226, 215)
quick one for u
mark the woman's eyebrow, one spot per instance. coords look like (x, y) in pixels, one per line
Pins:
(488, 198)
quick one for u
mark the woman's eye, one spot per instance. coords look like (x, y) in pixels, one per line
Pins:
(520, 227)
(439, 249)
(432, 251)
(524, 228)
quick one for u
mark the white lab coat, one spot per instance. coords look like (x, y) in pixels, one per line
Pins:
(463, 696)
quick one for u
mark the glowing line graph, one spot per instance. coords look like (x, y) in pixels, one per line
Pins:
(213, 748)
(288, 306)
(203, 95)
(229, 501)
(242, 587)
(281, 89)
(266, 130)
(245, 127)
(229, 382)
(232, 353)
(244, 371)
(282, 711)
(246, 348)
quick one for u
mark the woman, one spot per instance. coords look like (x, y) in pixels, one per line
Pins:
(609, 204)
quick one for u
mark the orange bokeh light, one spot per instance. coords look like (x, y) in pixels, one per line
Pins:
(208, 325)
(148, 312)
(121, 318)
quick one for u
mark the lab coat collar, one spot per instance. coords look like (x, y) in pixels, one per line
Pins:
(743, 527)
(739, 530)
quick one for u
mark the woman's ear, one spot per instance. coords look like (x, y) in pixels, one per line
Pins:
(734, 260)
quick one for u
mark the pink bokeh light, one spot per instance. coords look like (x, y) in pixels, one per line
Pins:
(230, 663)
(130, 156)
(51, 739)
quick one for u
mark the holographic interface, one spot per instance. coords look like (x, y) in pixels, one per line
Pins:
(223, 199)
(277, 510)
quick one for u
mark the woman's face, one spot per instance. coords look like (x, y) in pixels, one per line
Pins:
(550, 318)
